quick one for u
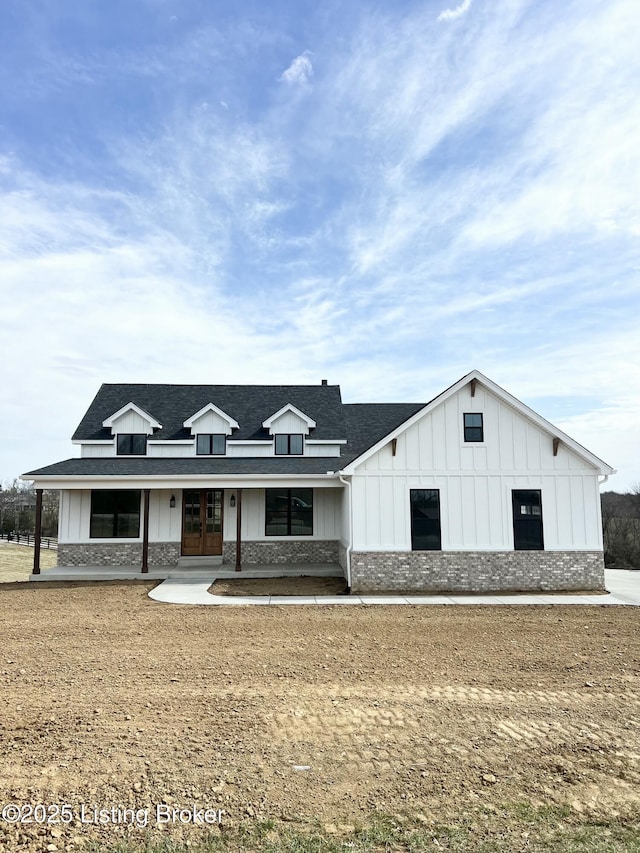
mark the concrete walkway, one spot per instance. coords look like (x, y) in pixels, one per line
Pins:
(623, 586)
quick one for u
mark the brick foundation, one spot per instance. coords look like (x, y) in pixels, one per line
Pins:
(268, 553)
(117, 554)
(476, 571)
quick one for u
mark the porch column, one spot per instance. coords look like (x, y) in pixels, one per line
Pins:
(145, 533)
(38, 533)
(238, 531)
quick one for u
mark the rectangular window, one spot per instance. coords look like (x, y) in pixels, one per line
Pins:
(473, 427)
(527, 520)
(289, 445)
(132, 444)
(212, 444)
(425, 520)
(115, 514)
(289, 512)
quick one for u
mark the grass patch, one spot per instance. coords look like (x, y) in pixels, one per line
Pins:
(514, 827)
(16, 561)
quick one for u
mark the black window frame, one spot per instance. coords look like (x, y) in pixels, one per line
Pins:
(123, 508)
(127, 440)
(210, 438)
(287, 437)
(528, 526)
(472, 432)
(431, 540)
(281, 509)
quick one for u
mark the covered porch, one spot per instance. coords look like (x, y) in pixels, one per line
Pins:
(275, 529)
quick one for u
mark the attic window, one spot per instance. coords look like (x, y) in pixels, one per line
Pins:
(132, 444)
(289, 444)
(473, 426)
(213, 444)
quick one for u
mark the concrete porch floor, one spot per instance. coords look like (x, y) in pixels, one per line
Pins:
(118, 573)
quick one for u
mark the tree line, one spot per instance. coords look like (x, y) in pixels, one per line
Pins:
(18, 509)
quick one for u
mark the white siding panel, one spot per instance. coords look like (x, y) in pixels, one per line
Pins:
(482, 524)
(165, 521)
(211, 422)
(245, 450)
(132, 422)
(289, 423)
(169, 451)
(329, 450)
(97, 450)
(327, 521)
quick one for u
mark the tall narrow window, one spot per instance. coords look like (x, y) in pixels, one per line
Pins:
(289, 512)
(289, 445)
(115, 514)
(132, 444)
(473, 426)
(211, 444)
(425, 520)
(527, 520)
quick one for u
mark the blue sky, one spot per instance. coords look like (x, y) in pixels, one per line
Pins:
(386, 195)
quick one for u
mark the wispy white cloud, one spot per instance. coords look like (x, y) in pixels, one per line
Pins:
(457, 12)
(300, 71)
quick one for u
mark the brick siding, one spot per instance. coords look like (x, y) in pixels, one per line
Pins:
(476, 571)
(273, 553)
(117, 554)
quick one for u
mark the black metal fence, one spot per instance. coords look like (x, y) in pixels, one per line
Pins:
(29, 539)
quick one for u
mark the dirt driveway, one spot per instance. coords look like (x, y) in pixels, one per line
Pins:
(312, 715)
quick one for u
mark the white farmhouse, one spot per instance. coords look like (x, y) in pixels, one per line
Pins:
(472, 491)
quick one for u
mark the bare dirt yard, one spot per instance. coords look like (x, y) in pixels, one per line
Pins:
(322, 728)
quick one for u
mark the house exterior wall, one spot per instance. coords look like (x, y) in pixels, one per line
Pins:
(165, 522)
(474, 571)
(178, 449)
(475, 482)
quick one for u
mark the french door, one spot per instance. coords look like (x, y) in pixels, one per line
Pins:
(202, 522)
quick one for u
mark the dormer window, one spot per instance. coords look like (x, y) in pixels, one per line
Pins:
(131, 444)
(289, 444)
(211, 444)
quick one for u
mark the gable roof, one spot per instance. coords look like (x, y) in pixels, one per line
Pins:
(503, 395)
(210, 407)
(248, 405)
(366, 427)
(289, 408)
(131, 407)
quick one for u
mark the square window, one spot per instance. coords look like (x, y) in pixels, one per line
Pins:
(473, 426)
(289, 445)
(115, 514)
(289, 512)
(211, 444)
(131, 444)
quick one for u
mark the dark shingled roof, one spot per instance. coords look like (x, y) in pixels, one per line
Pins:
(249, 405)
(361, 424)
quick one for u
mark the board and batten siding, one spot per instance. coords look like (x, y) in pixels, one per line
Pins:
(175, 450)
(165, 522)
(211, 422)
(132, 422)
(475, 481)
(289, 422)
